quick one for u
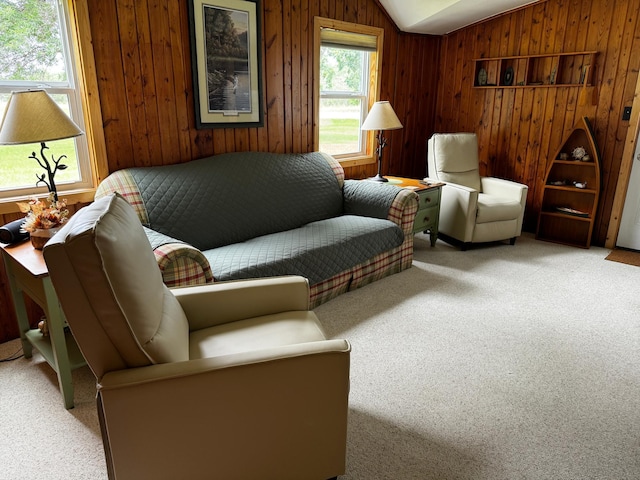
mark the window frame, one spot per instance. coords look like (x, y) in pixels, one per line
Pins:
(86, 100)
(362, 94)
(375, 64)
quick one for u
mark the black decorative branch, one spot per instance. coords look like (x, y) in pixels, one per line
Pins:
(50, 170)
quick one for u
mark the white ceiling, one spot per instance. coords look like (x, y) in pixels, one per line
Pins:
(438, 17)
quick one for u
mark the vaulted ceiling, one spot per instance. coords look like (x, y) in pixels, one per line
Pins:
(438, 17)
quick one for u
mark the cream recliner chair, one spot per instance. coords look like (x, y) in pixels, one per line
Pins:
(473, 209)
(231, 381)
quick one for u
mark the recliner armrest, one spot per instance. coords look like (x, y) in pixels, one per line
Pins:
(223, 302)
(131, 377)
(503, 188)
(458, 207)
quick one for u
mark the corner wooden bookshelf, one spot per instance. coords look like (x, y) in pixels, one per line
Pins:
(571, 191)
(549, 70)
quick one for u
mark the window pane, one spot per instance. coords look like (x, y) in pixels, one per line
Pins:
(340, 126)
(341, 70)
(17, 170)
(30, 41)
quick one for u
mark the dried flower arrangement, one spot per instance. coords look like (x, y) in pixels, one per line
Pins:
(44, 214)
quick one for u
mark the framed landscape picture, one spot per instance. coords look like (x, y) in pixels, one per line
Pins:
(226, 60)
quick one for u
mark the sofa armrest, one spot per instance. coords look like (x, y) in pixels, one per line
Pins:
(235, 300)
(368, 199)
(403, 210)
(181, 264)
(380, 200)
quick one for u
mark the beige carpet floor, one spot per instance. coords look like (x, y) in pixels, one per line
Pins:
(498, 363)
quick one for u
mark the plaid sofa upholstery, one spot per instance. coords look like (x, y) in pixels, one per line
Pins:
(182, 264)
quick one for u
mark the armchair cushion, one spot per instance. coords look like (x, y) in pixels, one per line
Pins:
(457, 155)
(146, 324)
(268, 331)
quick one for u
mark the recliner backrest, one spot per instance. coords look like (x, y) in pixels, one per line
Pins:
(111, 290)
(453, 158)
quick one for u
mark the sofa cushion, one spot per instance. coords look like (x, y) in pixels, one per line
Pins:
(224, 199)
(317, 251)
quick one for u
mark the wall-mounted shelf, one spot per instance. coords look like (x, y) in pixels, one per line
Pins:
(571, 190)
(550, 70)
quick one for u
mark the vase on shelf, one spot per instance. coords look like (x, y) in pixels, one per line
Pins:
(41, 236)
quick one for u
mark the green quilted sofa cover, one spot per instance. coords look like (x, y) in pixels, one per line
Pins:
(255, 214)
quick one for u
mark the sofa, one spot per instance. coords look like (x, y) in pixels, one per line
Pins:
(248, 215)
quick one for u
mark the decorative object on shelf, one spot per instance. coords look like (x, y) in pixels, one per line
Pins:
(578, 153)
(32, 116)
(564, 156)
(586, 158)
(44, 218)
(557, 183)
(508, 77)
(572, 211)
(580, 184)
(43, 327)
(381, 117)
(482, 77)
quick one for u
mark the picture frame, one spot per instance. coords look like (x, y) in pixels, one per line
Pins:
(226, 62)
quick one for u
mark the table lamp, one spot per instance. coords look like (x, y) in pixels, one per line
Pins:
(33, 116)
(381, 117)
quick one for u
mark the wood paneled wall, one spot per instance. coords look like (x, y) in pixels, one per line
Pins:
(519, 129)
(144, 73)
(143, 62)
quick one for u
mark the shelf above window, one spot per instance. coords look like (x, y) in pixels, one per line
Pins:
(550, 70)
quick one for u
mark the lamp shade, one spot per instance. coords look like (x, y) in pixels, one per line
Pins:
(381, 117)
(33, 116)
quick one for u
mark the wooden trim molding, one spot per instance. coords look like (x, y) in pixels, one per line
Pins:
(88, 83)
(625, 170)
(375, 81)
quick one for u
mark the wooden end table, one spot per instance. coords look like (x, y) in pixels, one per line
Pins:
(27, 273)
(428, 215)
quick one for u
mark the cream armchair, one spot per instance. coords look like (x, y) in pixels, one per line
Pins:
(233, 381)
(473, 209)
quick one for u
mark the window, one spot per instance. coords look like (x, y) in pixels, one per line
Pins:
(35, 53)
(348, 57)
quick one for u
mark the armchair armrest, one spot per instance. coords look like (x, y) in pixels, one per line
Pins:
(180, 263)
(298, 394)
(236, 300)
(504, 188)
(458, 207)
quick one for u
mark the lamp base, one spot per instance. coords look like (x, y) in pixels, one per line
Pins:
(379, 178)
